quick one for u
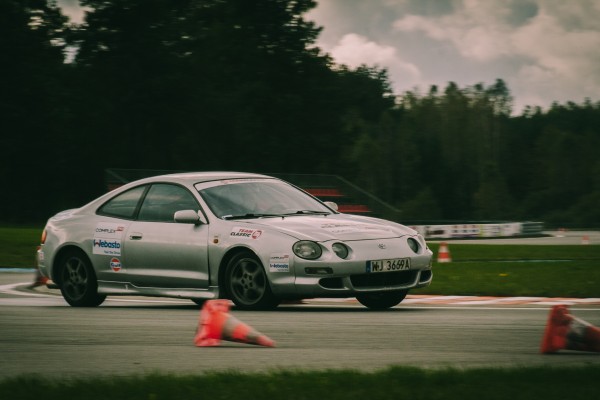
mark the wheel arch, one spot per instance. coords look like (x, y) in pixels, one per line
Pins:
(223, 266)
(59, 256)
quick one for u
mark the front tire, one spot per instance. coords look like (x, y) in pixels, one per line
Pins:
(78, 283)
(381, 300)
(247, 285)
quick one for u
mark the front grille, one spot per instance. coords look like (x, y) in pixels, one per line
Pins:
(385, 279)
(331, 283)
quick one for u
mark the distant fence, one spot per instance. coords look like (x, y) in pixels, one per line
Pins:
(479, 230)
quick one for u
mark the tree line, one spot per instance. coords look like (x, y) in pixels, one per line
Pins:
(239, 85)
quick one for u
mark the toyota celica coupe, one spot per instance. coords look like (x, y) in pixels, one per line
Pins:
(250, 238)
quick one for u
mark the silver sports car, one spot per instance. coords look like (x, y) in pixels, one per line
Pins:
(251, 238)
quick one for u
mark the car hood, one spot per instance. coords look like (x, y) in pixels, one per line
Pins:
(334, 227)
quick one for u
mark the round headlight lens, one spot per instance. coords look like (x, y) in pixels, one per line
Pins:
(307, 249)
(340, 249)
(413, 244)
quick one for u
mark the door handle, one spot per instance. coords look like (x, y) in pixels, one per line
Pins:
(135, 236)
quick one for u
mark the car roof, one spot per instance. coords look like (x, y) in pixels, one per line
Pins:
(199, 177)
(184, 178)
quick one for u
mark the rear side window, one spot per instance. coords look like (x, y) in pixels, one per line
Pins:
(123, 205)
(163, 200)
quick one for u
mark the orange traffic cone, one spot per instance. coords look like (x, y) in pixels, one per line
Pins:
(444, 253)
(565, 331)
(217, 324)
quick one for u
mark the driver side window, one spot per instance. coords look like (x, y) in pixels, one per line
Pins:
(163, 200)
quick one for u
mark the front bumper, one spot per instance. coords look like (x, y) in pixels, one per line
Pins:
(351, 285)
(346, 278)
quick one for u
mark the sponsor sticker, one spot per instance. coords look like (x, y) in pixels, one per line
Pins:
(245, 233)
(341, 228)
(115, 264)
(107, 247)
(279, 263)
(106, 230)
(40, 256)
(351, 228)
(107, 239)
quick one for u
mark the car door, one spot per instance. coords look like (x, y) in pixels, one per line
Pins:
(159, 252)
(107, 240)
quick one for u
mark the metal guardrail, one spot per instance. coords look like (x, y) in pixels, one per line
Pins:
(349, 191)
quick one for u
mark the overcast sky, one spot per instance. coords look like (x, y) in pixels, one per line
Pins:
(545, 50)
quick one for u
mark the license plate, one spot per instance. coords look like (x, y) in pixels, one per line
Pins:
(391, 265)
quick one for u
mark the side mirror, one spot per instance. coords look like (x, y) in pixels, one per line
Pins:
(331, 205)
(188, 217)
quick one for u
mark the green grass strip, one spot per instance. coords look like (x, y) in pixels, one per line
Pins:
(469, 252)
(517, 270)
(580, 279)
(18, 246)
(526, 383)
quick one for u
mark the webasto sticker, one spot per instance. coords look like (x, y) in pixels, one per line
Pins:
(279, 263)
(107, 247)
(107, 239)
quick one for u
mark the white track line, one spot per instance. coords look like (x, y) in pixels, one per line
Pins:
(13, 289)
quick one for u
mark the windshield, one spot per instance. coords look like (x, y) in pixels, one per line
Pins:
(259, 198)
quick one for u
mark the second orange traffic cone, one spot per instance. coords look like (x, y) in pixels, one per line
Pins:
(444, 253)
(217, 324)
(564, 331)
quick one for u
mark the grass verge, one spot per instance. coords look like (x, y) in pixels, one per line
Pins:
(18, 245)
(517, 270)
(491, 252)
(528, 383)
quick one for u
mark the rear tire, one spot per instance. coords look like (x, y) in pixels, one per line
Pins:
(381, 300)
(247, 285)
(78, 283)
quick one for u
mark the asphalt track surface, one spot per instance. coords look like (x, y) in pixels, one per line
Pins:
(41, 335)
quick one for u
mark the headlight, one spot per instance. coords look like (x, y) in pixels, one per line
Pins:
(340, 249)
(413, 244)
(307, 249)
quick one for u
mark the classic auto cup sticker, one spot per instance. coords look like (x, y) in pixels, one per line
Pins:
(245, 233)
(279, 263)
(115, 264)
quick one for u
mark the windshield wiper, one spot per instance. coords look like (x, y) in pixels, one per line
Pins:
(312, 212)
(251, 216)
